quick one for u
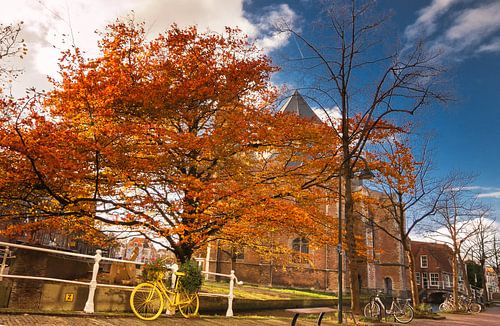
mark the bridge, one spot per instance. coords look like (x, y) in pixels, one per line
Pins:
(436, 293)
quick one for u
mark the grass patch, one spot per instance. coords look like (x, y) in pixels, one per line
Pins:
(254, 292)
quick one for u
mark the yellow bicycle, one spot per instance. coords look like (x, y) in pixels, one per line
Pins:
(149, 299)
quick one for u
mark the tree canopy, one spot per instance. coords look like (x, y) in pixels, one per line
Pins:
(171, 138)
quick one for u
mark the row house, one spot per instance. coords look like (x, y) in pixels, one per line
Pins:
(433, 265)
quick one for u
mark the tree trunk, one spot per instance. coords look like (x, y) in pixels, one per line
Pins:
(184, 252)
(455, 280)
(411, 270)
(352, 257)
(484, 285)
(465, 278)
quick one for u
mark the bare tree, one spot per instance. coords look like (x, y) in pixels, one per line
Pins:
(482, 244)
(495, 259)
(368, 88)
(10, 46)
(453, 224)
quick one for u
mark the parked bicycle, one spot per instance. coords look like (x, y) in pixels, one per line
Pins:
(149, 299)
(401, 309)
(465, 304)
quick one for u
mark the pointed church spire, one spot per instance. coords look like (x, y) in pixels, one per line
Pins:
(297, 105)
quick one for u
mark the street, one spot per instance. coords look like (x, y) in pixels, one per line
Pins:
(490, 317)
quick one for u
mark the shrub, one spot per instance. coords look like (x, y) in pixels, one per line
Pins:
(424, 308)
(155, 269)
(193, 279)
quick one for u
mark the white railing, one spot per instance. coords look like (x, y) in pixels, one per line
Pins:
(97, 258)
(443, 285)
(232, 280)
(438, 285)
(230, 296)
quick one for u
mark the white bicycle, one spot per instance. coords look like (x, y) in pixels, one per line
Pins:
(402, 312)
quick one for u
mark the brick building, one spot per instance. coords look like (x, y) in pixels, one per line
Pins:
(433, 265)
(382, 268)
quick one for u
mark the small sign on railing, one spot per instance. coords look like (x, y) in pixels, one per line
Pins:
(68, 297)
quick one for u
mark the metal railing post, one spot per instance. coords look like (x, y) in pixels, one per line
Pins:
(4, 261)
(229, 312)
(174, 268)
(89, 305)
(207, 262)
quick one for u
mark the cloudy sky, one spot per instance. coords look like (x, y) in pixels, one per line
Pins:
(52, 25)
(467, 131)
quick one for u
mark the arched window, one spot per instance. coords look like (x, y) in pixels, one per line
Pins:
(301, 245)
(388, 285)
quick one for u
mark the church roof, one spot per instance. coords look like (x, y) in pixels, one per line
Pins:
(297, 105)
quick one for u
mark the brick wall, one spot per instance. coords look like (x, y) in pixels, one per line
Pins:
(384, 259)
(26, 294)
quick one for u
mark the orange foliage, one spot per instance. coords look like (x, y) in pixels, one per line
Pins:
(171, 138)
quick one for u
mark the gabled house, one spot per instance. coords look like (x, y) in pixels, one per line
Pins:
(433, 265)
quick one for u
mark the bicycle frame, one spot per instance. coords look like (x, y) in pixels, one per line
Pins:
(395, 305)
(382, 305)
(172, 296)
(403, 313)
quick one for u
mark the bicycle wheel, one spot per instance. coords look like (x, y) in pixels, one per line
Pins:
(372, 310)
(475, 307)
(146, 301)
(445, 307)
(188, 303)
(404, 315)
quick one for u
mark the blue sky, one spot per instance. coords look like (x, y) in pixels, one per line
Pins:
(466, 130)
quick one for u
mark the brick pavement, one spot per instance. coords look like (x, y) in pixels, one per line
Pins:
(43, 320)
(491, 317)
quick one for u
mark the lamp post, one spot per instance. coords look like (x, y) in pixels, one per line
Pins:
(364, 174)
(339, 249)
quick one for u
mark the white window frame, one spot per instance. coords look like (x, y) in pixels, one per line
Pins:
(417, 277)
(434, 279)
(422, 265)
(425, 278)
(447, 280)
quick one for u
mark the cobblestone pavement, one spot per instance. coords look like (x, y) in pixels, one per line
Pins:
(491, 317)
(43, 320)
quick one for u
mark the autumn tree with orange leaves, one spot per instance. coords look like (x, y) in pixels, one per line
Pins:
(171, 139)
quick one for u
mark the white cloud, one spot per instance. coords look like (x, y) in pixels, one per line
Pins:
(475, 188)
(475, 24)
(458, 32)
(54, 25)
(495, 195)
(270, 39)
(426, 22)
(328, 115)
(492, 46)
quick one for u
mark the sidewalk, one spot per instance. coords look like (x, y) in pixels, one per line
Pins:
(490, 317)
(44, 320)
